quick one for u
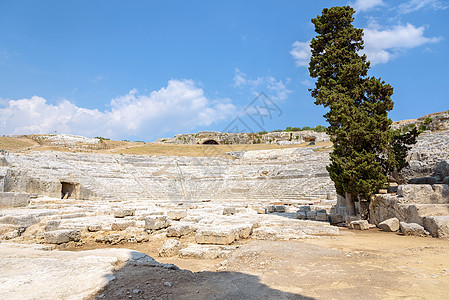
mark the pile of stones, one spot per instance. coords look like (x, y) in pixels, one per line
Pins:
(208, 229)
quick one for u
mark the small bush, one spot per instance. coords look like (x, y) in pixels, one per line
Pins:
(320, 128)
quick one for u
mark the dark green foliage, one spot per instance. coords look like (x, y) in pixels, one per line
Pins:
(428, 120)
(319, 128)
(358, 106)
(401, 145)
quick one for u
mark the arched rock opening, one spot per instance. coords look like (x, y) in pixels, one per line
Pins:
(210, 142)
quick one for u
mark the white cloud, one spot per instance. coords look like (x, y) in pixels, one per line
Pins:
(179, 106)
(276, 89)
(364, 5)
(301, 53)
(415, 5)
(382, 45)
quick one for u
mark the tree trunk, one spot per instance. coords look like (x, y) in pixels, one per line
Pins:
(350, 204)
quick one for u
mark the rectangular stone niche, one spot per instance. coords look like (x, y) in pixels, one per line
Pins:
(70, 190)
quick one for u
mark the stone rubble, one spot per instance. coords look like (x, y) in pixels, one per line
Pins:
(389, 225)
(170, 247)
(413, 229)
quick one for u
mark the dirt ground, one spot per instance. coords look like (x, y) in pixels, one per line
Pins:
(358, 264)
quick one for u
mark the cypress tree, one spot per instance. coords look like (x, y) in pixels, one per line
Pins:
(358, 108)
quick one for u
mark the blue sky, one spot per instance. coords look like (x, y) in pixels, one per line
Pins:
(138, 70)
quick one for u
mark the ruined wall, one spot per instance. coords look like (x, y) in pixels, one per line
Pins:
(227, 138)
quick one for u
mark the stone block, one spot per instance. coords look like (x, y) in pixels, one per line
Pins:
(412, 229)
(302, 215)
(170, 247)
(441, 193)
(243, 231)
(62, 236)
(392, 188)
(261, 210)
(11, 200)
(359, 225)
(179, 230)
(321, 216)
(415, 192)
(336, 218)
(271, 209)
(423, 180)
(305, 208)
(279, 208)
(223, 235)
(122, 225)
(311, 215)
(21, 220)
(383, 191)
(94, 228)
(228, 211)
(438, 226)
(157, 222)
(390, 225)
(177, 214)
(52, 225)
(206, 251)
(124, 212)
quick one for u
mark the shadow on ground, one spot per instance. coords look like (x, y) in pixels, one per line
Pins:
(155, 282)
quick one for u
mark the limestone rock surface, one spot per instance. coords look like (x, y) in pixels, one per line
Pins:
(62, 236)
(390, 225)
(30, 272)
(359, 225)
(170, 247)
(413, 229)
(438, 226)
(157, 222)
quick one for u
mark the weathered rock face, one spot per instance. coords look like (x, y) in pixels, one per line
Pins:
(421, 204)
(10, 200)
(434, 122)
(294, 174)
(428, 158)
(231, 138)
(413, 229)
(424, 193)
(438, 226)
(61, 274)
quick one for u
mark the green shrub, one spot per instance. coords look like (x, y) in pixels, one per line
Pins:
(428, 120)
(320, 128)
